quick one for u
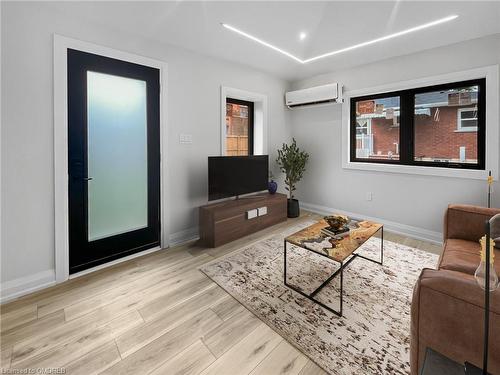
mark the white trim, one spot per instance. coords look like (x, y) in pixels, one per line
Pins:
(184, 236)
(492, 125)
(19, 287)
(113, 262)
(61, 44)
(403, 229)
(260, 120)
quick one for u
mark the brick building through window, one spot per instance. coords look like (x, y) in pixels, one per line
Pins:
(239, 128)
(445, 127)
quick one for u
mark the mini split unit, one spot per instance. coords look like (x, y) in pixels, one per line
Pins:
(325, 94)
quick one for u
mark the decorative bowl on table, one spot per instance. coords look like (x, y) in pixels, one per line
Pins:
(337, 222)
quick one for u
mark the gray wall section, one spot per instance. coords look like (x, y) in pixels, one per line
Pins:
(413, 200)
(27, 126)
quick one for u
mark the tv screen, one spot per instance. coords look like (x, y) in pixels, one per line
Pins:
(229, 176)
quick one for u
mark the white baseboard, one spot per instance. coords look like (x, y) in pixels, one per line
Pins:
(183, 236)
(403, 229)
(24, 285)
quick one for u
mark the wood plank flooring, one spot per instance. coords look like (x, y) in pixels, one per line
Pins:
(152, 315)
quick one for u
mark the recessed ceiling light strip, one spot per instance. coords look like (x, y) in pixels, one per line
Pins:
(381, 39)
(364, 44)
(269, 45)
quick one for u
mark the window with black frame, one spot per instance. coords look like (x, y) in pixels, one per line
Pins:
(239, 127)
(436, 126)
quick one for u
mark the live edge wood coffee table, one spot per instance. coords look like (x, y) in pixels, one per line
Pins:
(338, 250)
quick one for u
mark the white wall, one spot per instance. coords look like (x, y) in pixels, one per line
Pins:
(27, 244)
(416, 201)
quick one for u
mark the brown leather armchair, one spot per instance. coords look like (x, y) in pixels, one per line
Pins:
(448, 305)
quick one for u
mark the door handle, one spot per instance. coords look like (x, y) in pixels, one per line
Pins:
(87, 178)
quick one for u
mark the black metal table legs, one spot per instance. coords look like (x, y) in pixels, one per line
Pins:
(340, 271)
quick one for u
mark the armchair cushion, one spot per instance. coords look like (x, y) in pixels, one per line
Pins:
(463, 256)
(460, 255)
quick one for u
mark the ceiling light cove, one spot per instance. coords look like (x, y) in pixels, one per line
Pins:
(303, 35)
(264, 43)
(381, 39)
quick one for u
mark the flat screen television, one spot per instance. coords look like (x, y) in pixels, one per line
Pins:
(229, 176)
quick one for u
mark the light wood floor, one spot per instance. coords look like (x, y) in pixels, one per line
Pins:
(152, 315)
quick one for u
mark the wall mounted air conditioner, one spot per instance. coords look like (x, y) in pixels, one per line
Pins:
(325, 94)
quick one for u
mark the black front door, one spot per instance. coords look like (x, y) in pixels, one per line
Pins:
(114, 159)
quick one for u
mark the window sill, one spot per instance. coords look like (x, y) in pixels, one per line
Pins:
(418, 170)
(473, 130)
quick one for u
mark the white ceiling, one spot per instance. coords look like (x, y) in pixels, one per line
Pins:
(329, 26)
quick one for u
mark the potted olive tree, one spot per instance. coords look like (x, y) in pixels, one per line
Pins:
(292, 162)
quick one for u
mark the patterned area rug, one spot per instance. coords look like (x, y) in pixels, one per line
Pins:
(372, 337)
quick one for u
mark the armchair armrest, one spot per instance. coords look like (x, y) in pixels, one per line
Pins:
(460, 286)
(447, 315)
(466, 222)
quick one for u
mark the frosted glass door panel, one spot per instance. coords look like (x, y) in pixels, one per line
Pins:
(117, 155)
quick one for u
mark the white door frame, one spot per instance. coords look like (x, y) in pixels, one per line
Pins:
(61, 194)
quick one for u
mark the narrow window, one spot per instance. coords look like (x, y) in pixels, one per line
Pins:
(239, 127)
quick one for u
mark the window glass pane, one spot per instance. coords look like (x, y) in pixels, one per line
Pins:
(446, 126)
(469, 124)
(236, 129)
(468, 114)
(377, 128)
(117, 155)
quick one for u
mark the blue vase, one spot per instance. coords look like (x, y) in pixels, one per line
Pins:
(272, 186)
